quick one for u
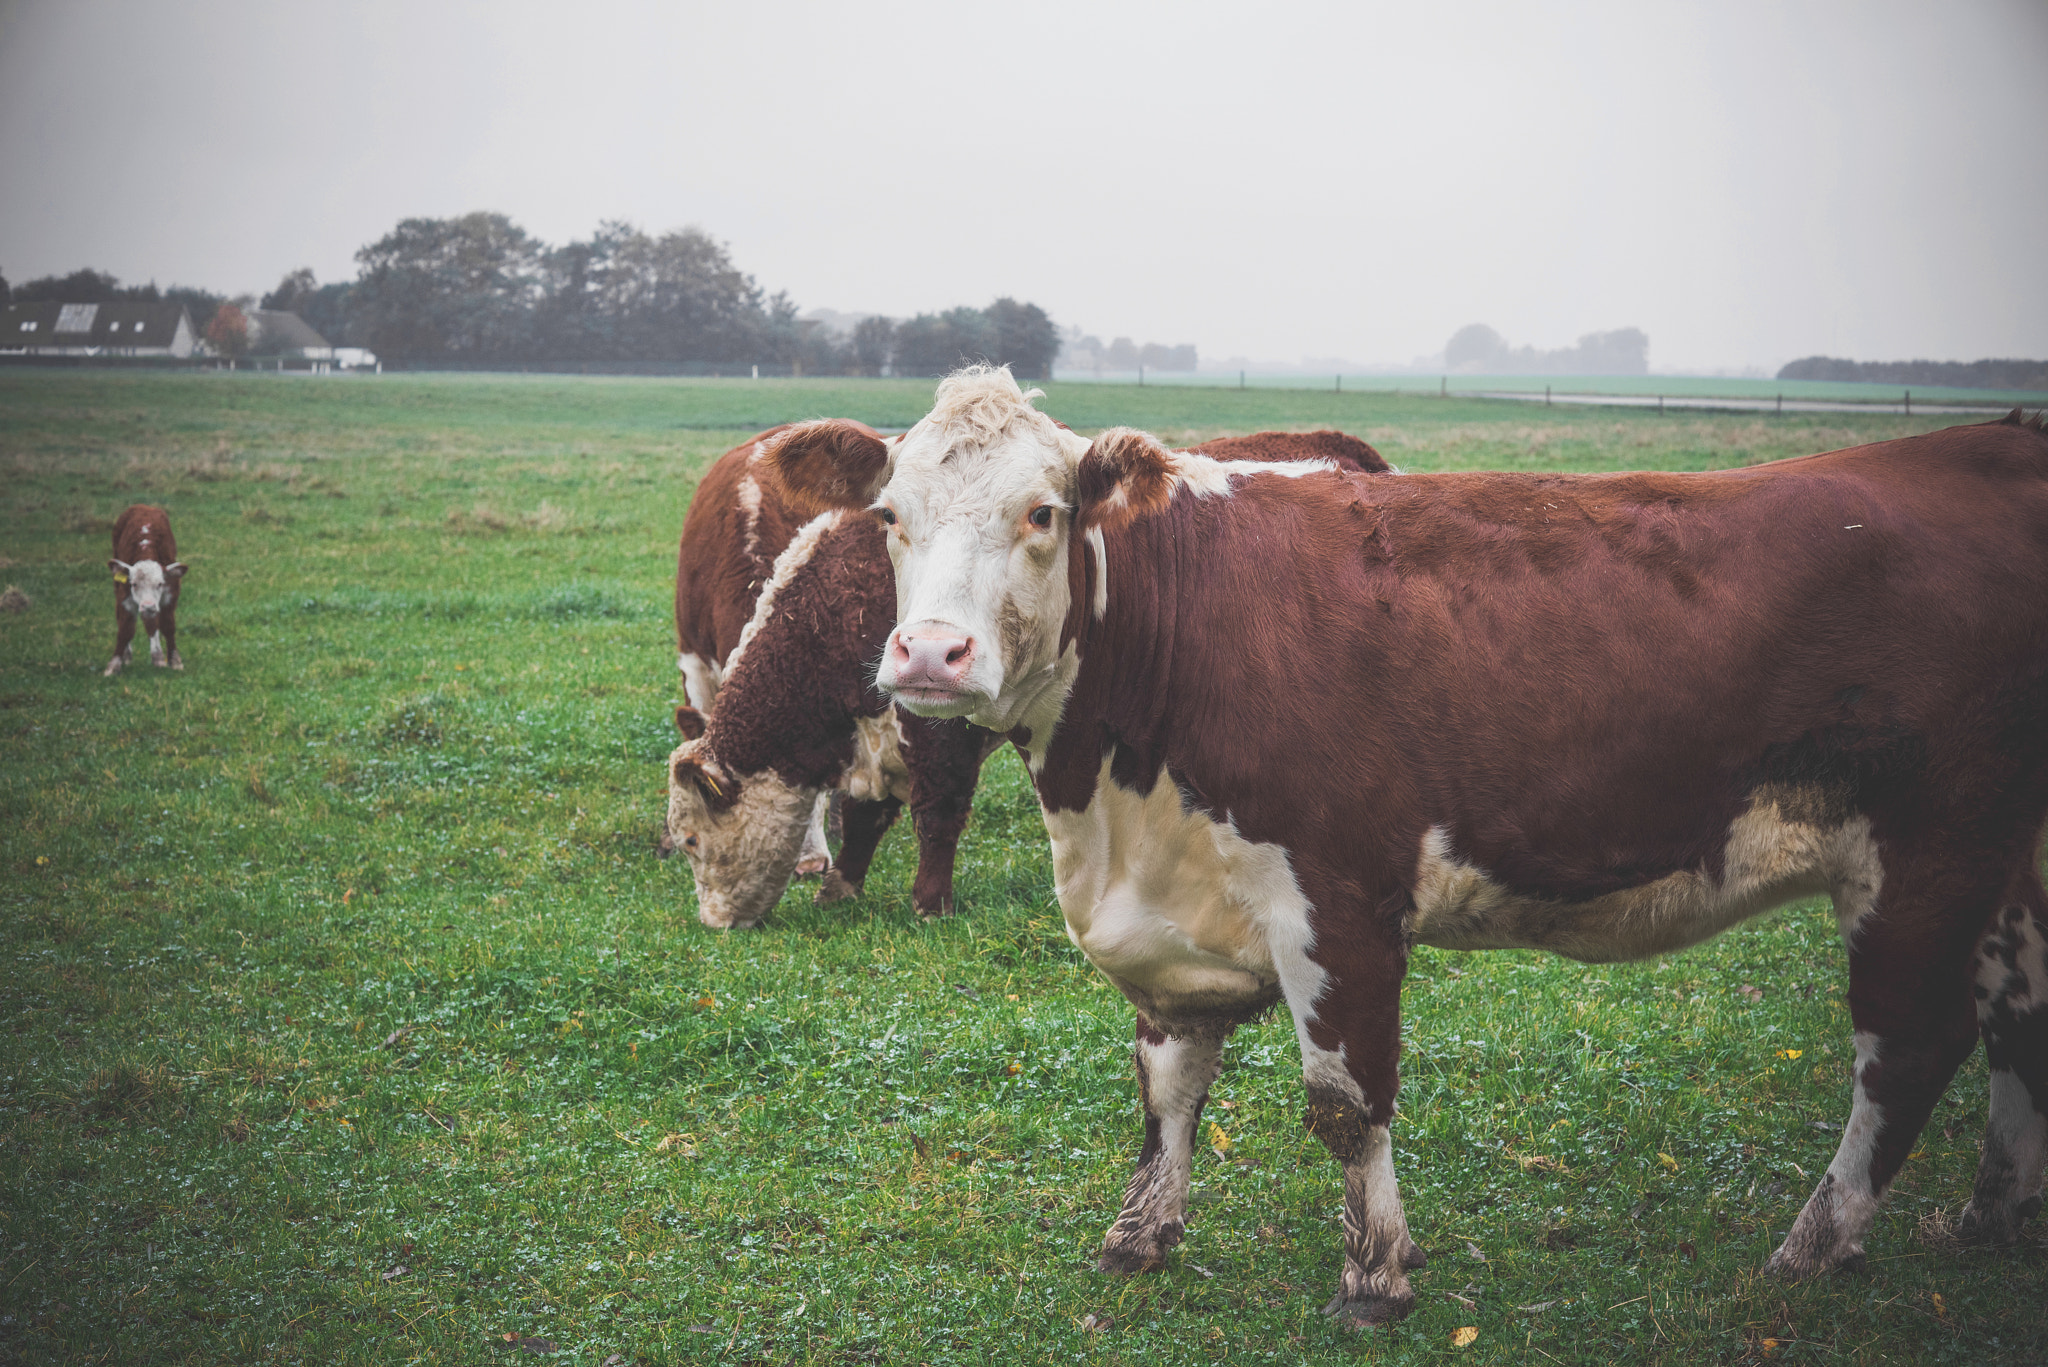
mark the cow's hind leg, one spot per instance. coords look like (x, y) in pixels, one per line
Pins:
(1908, 959)
(170, 621)
(1174, 1073)
(2012, 1014)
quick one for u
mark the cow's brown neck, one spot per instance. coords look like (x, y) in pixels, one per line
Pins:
(807, 674)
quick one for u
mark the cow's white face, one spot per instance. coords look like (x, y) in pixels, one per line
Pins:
(741, 834)
(978, 531)
(151, 587)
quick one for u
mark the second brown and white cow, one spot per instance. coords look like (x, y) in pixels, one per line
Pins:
(798, 715)
(739, 521)
(147, 577)
(1286, 723)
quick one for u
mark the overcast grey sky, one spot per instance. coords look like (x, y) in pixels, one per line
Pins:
(1746, 182)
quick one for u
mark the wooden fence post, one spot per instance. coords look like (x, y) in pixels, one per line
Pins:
(1909, 403)
(1546, 396)
(1443, 389)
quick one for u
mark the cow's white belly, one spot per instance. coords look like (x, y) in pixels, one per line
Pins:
(1176, 908)
(1770, 858)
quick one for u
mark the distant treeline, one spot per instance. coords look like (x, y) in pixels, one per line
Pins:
(1961, 374)
(480, 289)
(1479, 350)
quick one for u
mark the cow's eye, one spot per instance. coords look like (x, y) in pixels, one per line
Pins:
(887, 515)
(689, 842)
(1041, 516)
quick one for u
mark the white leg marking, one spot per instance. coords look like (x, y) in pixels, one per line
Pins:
(156, 650)
(1175, 1079)
(1829, 1231)
(1376, 1243)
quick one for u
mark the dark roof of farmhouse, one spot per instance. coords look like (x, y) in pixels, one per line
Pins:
(119, 323)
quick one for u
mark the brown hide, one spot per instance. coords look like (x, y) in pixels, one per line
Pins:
(143, 532)
(728, 547)
(1347, 451)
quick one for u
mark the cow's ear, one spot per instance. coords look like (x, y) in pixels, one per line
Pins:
(1126, 474)
(175, 570)
(121, 569)
(690, 722)
(830, 463)
(718, 790)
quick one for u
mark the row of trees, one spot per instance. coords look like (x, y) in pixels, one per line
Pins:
(479, 289)
(1985, 374)
(1088, 353)
(1479, 350)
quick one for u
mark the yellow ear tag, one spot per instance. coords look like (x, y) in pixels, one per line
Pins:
(716, 791)
(120, 579)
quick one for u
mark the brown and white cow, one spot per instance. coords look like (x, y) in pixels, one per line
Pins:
(739, 520)
(798, 714)
(147, 577)
(1285, 724)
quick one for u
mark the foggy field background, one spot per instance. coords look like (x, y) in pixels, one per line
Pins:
(353, 1019)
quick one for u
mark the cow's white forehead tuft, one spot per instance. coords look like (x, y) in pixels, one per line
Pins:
(980, 404)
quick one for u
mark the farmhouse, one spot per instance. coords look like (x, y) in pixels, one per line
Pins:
(122, 327)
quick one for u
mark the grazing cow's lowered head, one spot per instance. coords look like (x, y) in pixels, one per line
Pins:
(977, 506)
(741, 834)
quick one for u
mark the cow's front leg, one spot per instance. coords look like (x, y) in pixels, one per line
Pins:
(816, 856)
(170, 624)
(156, 647)
(944, 761)
(1346, 1001)
(2011, 983)
(865, 825)
(124, 636)
(1174, 1073)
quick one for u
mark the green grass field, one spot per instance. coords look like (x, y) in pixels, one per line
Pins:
(352, 1018)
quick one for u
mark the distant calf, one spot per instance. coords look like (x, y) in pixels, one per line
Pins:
(146, 579)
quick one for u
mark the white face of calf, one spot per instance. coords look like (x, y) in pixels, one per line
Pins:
(741, 834)
(151, 587)
(978, 512)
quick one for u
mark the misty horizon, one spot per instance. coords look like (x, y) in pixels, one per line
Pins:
(1746, 186)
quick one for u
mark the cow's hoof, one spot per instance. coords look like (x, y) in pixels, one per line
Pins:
(1791, 1267)
(812, 865)
(1128, 1260)
(177, 661)
(113, 668)
(944, 908)
(835, 888)
(1995, 1227)
(1365, 1312)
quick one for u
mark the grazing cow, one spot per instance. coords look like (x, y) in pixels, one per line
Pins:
(797, 715)
(1284, 724)
(147, 576)
(738, 522)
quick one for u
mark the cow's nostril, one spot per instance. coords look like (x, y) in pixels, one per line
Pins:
(959, 652)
